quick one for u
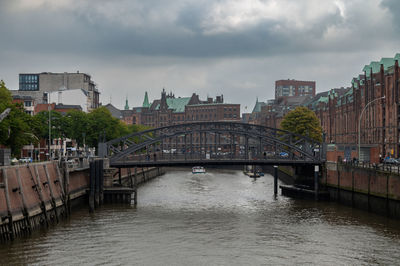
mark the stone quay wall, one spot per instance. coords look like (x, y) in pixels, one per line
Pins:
(364, 188)
(38, 195)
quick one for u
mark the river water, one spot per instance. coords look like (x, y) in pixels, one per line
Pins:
(220, 218)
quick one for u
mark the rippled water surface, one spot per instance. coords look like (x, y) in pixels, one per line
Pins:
(220, 218)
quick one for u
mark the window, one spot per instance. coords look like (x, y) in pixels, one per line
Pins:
(28, 82)
(27, 103)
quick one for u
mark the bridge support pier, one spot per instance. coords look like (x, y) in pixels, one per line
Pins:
(275, 181)
(135, 188)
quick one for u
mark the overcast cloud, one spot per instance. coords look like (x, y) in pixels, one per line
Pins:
(236, 48)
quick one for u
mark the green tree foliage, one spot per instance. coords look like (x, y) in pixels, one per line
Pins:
(15, 129)
(101, 122)
(5, 95)
(77, 126)
(41, 125)
(303, 121)
(20, 129)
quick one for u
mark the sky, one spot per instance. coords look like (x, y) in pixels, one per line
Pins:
(237, 48)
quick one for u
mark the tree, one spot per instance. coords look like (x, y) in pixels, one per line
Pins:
(77, 126)
(303, 121)
(5, 95)
(101, 122)
(15, 129)
(41, 125)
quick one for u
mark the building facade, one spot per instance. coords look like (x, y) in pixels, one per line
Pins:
(293, 88)
(39, 85)
(171, 110)
(367, 112)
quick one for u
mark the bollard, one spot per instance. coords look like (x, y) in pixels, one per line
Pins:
(316, 189)
(275, 180)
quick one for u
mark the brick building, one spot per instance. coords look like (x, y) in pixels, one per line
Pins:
(171, 110)
(339, 111)
(271, 113)
(287, 88)
(27, 102)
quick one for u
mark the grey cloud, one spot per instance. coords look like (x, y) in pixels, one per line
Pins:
(132, 46)
(393, 7)
(84, 30)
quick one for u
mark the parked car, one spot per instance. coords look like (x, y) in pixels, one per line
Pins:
(389, 160)
(283, 154)
(14, 161)
(26, 160)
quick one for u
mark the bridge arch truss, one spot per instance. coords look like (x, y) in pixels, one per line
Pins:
(213, 143)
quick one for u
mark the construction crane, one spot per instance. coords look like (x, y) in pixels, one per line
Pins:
(4, 114)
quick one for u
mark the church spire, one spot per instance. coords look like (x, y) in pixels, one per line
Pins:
(126, 103)
(146, 100)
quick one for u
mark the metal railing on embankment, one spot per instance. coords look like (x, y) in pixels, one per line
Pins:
(384, 167)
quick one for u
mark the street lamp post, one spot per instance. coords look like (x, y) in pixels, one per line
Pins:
(359, 124)
(49, 109)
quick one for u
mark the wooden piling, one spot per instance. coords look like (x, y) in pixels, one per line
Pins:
(38, 189)
(11, 234)
(24, 206)
(101, 180)
(135, 187)
(60, 182)
(66, 189)
(275, 180)
(97, 184)
(91, 186)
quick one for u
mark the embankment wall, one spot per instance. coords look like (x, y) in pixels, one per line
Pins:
(37, 195)
(365, 188)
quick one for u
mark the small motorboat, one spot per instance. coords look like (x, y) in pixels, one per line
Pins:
(253, 175)
(198, 170)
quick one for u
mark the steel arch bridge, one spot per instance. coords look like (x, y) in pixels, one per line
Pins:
(213, 143)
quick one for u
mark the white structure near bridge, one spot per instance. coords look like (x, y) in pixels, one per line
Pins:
(71, 97)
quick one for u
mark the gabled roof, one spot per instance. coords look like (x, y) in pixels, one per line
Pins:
(178, 104)
(354, 82)
(374, 65)
(67, 106)
(115, 112)
(387, 62)
(257, 106)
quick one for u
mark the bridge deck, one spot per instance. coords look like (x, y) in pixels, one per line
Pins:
(133, 163)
